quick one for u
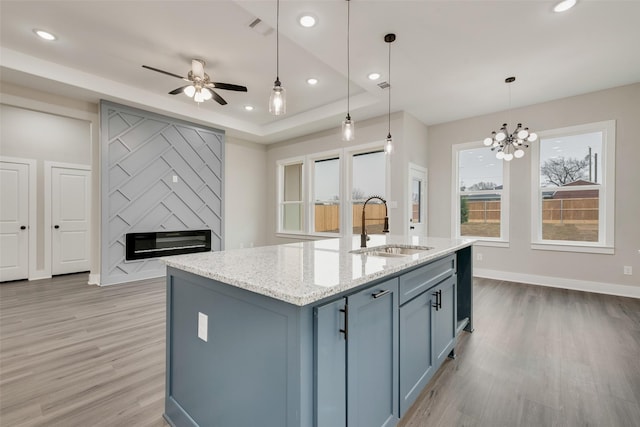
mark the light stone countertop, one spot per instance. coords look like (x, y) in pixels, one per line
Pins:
(305, 272)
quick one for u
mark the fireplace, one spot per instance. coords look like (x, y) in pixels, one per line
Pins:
(164, 243)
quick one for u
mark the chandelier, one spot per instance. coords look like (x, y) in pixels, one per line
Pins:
(509, 145)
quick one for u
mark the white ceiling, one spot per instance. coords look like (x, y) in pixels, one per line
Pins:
(449, 61)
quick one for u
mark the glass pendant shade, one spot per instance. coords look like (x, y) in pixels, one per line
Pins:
(348, 129)
(190, 91)
(206, 94)
(519, 153)
(278, 100)
(508, 157)
(388, 145)
(487, 142)
(532, 137)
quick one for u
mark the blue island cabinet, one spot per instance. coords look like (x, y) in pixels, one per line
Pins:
(359, 358)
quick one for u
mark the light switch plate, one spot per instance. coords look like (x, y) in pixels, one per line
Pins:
(203, 326)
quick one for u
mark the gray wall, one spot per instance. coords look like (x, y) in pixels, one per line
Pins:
(142, 153)
(578, 270)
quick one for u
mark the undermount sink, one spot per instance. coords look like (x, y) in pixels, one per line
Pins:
(392, 250)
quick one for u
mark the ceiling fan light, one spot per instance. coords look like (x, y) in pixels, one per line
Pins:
(198, 97)
(190, 91)
(207, 94)
(278, 100)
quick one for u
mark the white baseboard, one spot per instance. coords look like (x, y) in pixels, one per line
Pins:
(94, 279)
(39, 275)
(135, 278)
(560, 282)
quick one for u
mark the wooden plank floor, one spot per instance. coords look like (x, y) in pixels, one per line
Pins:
(78, 355)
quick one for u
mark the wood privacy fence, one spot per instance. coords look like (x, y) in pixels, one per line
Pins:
(554, 211)
(327, 217)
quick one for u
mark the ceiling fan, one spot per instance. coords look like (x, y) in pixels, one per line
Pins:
(201, 88)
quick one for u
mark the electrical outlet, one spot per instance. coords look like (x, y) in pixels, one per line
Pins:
(628, 270)
(479, 256)
(203, 326)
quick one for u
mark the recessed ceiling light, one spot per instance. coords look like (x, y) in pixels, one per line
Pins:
(248, 107)
(308, 21)
(312, 81)
(374, 76)
(564, 5)
(45, 35)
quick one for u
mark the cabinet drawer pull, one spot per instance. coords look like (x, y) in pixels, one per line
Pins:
(380, 293)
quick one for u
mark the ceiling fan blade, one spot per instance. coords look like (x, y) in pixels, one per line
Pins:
(229, 86)
(217, 97)
(163, 72)
(178, 90)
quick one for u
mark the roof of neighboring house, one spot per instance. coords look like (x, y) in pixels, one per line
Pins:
(577, 194)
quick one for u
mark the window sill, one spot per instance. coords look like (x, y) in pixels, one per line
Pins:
(568, 247)
(490, 243)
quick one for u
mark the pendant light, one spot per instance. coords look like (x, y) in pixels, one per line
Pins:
(510, 145)
(277, 100)
(348, 127)
(388, 145)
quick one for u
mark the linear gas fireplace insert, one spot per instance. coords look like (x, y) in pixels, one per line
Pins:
(164, 243)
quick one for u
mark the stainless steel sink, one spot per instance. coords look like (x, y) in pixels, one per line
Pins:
(392, 250)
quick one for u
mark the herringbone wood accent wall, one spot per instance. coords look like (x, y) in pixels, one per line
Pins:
(158, 174)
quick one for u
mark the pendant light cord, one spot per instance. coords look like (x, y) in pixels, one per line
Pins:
(348, 56)
(389, 112)
(278, 40)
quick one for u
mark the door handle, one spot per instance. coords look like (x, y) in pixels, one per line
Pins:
(23, 227)
(56, 226)
(380, 293)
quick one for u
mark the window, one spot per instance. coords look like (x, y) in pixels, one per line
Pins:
(311, 190)
(326, 195)
(573, 188)
(291, 197)
(368, 178)
(480, 204)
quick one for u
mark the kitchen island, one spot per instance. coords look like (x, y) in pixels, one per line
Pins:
(317, 333)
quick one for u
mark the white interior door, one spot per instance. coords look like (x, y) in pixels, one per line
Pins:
(417, 200)
(70, 214)
(14, 221)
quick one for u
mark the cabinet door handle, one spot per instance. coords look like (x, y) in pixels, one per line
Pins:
(345, 331)
(381, 293)
(23, 227)
(438, 304)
